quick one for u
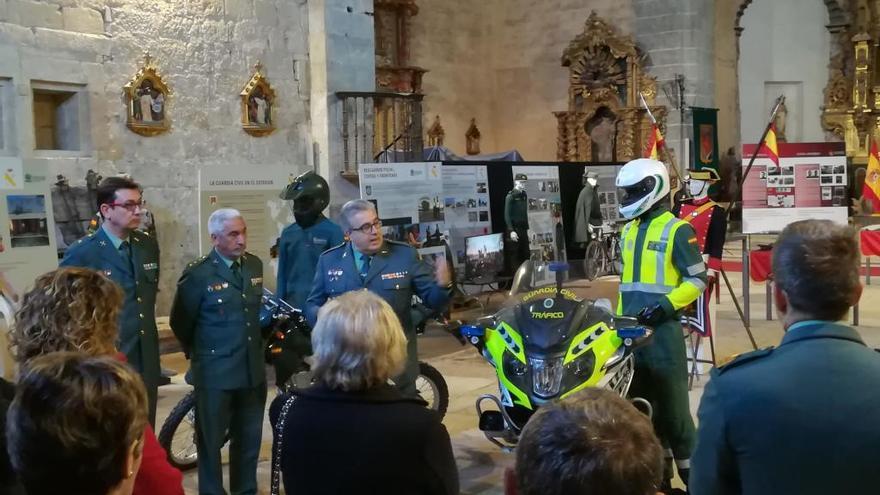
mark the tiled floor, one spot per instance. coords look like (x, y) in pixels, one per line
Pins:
(480, 463)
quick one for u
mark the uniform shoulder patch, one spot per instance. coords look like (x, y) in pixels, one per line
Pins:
(196, 262)
(335, 247)
(746, 357)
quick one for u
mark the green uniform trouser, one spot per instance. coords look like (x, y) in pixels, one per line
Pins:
(661, 378)
(239, 412)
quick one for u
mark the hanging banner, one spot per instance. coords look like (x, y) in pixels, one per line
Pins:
(544, 210)
(466, 205)
(810, 182)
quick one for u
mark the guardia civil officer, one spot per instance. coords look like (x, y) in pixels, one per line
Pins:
(799, 418)
(389, 269)
(302, 242)
(130, 258)
(663, 272)
(215, 316)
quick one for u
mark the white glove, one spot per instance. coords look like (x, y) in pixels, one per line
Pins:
(513, 236)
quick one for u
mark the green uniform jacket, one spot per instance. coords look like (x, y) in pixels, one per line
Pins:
(516, 210)
(138, 338)
(216, 319)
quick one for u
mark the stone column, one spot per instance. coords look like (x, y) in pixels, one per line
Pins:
(678, 36)
(341, 58)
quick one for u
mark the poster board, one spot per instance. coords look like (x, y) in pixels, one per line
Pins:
(609, 202)
(544, 210)
(408, 199)
(255, 192)
(810, 182)
(466, 202)
(28, 233)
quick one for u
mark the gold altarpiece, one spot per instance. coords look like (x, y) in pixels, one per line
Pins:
(605, 120)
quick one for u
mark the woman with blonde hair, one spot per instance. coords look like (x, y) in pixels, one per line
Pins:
(77, 309)
(352, 431)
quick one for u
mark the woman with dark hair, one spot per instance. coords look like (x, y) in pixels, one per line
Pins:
(76, 426)
(76, 309)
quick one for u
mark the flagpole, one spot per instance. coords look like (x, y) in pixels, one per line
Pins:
(671, 158)
(779, 102)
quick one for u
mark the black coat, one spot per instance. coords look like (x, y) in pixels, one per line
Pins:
(369, 442)
(8, 481)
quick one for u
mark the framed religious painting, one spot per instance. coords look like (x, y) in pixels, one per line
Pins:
(258, 104)
(146, 99)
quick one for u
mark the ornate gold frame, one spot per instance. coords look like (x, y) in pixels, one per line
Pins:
(147, 72)
(259, 82)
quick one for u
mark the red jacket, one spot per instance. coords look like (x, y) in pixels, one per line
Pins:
(156, 476)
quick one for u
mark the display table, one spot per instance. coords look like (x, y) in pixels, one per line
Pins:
(485, 286)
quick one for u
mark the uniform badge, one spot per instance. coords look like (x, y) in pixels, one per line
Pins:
(151, 266)
(102, 243)
(334, 274)
(106, 273)
(656, 246)
(393, 275)
(256, 281)
(218, 287)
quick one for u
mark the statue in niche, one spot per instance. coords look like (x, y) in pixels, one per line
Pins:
(146, 96)
(472, 137)
(436, 133)
(257, 102)
(779, 121)
(602, 129)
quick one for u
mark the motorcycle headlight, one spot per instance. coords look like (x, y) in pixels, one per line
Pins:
(546, 376)
(513, 366)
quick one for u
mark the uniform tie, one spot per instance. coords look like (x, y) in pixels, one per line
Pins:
(236, 270)
(125, 252)
(365, 266)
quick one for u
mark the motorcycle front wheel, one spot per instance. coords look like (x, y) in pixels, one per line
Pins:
(432, 387)
(178, 434)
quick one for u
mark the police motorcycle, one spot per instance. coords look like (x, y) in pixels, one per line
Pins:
(547, 343)
(287, 338)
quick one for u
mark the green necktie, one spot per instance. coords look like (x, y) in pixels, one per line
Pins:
(365, 266)
(236, 270)
(125, 252)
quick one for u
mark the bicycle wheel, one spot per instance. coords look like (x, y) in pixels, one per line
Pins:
(616, 258)
(432, 387)
(178, 434)
(594, 260)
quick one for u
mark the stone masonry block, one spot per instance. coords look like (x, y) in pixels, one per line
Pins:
(239, 9)
(83, 20)
(33, 14)
(266, 12)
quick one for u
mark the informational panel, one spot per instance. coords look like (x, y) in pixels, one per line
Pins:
(27, 243)
(545, 209)
(254, 191)
(810, 182)
(466, 202)
(409, 199)
(607, 190)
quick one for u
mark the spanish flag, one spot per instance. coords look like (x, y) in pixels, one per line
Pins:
(871, 189)
(655, 142)
(770, 147)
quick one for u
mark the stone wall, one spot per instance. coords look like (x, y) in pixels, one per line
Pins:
(206, 50)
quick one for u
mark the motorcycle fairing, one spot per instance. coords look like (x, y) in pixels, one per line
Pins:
(500, 340)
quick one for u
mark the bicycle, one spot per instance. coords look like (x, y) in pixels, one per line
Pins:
(603, 255)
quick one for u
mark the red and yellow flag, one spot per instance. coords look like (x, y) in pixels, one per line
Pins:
(770, 146)
(655, 142)
(871, 189)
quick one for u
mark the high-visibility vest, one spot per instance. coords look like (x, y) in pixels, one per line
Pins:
(651, 273)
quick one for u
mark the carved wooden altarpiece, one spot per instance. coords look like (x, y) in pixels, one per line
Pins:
(604, 120)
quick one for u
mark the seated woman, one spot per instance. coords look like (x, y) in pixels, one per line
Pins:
(76, 426)
(76, 309)
(352, 432)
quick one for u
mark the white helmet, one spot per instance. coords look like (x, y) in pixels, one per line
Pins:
(644, 183)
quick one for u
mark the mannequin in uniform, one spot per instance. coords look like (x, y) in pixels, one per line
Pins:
(709, 221)
(587, 214)
(516, 220)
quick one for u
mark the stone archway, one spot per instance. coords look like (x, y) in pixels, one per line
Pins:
(728, 14)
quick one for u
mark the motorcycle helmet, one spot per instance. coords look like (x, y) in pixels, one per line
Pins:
(644, 182)
(310, 195)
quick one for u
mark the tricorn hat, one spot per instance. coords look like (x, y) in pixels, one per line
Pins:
(704, 174)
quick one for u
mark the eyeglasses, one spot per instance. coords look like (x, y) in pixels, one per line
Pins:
(130, 205)
(369, 228)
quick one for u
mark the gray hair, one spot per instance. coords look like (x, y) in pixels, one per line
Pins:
(349, 209)
(217, 220)
(816, 265)
(358, 342)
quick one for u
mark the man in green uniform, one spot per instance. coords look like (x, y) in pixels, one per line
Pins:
(215, 316)
(130, 258)
(663, 272)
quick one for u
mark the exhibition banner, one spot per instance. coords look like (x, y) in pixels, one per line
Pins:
(409, 200)
(255, 192)
(809, 182)
(545, 209)
(466, 202)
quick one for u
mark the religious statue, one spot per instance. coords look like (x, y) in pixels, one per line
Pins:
(146, 97)
(779, 121)
(473, 139)
(257, 104)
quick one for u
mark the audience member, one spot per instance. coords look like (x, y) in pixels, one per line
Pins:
(77, 309)
(797, 418)
(76, 426)
(593, 442)
(352, 432)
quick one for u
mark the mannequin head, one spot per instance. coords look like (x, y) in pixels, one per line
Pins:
(591, 178)
(699, 181)
(519, 182)
(698, 188)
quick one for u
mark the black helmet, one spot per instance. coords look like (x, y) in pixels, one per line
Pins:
(310, 195)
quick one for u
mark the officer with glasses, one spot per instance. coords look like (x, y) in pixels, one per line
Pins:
(130, 258)
(390, 269)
